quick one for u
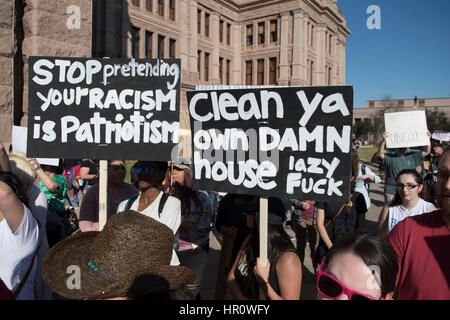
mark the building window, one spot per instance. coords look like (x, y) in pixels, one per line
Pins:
(400, 103)
(228, 34)
(312, 36)
(310, 71)
(273, 31)
(199, 21)
(329, 76)
(248, 73)
(422, 103)
(221, 30)
(207, 24)
(148, 44)
(135, 3)
(228, 72)
(221, 70)
(149, 5)
(371, 104)
(206, 66)
(272, 70)
(118, 33)
(161, 52)
(260, 72)
(261, 32)
(161, 8)
(172, 44)
(330, 42)
(249, 36)
(172, 9)
(199, 54)
(135, 42)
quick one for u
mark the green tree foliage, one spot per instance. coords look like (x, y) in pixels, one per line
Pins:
(437, 121)
(362, 129)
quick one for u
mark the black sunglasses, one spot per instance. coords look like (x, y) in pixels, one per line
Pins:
(401, 186)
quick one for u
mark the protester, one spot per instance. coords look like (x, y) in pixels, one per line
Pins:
(364, 178)
(72, 175)
(196, 221)
(37, 201)
(117, 191)
(19, 238)
(357, 267)
(235, 219)
(281, 277)
(89, 173)
(421, 243)
(54, 185)
(397, 162)
(408, 201)
(5, 293)
(129, 259)
(335, 219)
(431, 175)
(305, 228)
(152, 201)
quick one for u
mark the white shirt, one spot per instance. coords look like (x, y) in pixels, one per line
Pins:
(361, 187)
(170, 216)
(398, 213)
(16, 251)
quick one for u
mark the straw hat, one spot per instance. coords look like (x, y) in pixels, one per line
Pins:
(22, 168)
(130, 245)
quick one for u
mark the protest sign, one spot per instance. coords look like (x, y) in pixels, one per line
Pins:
(406, 129)
(441, 136)
(286, 141)
(19, 144)
(103, 108)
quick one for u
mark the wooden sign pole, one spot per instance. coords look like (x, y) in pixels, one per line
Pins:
(103, 194)
(263, 221)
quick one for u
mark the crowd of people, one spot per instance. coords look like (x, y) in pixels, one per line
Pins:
(155, 243)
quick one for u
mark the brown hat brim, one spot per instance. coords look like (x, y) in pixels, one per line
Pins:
(65, 269)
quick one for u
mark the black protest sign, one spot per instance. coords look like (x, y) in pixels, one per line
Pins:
(280, 141)
(103, 108)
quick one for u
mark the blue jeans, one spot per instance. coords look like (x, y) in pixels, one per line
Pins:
(195, 259)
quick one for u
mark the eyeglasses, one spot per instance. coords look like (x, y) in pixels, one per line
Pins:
(401, 186)
(331, 288)
(146, 169)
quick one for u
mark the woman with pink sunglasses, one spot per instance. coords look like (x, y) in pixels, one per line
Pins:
(358, 267)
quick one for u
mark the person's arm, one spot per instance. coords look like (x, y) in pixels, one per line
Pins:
(289, 276)
(89, 211)
(11, 207)
(428, 147)
(84, 174)
(321, 228)
(383, 221)
(372, 176)
(4, 160)
(381, 146)
(232, 283)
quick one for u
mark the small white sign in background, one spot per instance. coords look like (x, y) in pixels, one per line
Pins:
(19, 144)
(406, 129)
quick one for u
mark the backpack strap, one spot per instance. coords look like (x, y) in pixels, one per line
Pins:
(130, 201)
(162, 202)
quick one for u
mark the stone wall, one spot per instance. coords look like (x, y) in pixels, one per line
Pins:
(54, 28)
(6, 68)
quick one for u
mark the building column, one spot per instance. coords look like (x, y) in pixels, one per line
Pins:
(320, 54)
(236, 61)
(343, 63)
(297, 50)
(283, 79)
(214, 35)
(110, 41)
(193, 41)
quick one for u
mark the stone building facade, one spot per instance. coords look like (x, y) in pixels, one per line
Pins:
(374, 108)
(235, 42)
(36, 28)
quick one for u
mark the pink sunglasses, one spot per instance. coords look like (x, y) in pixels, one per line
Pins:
(331, 288)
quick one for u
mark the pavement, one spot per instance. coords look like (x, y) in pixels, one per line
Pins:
(308, 291)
